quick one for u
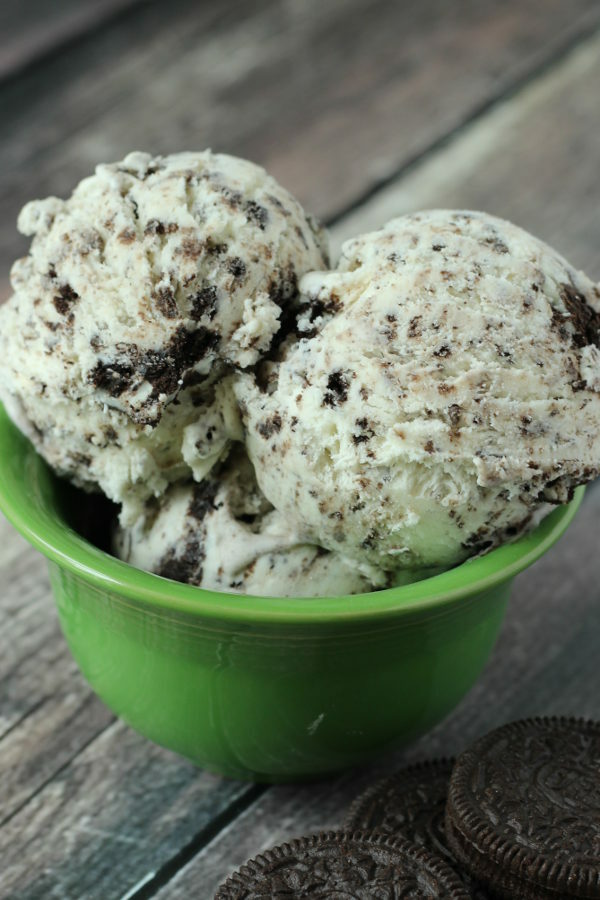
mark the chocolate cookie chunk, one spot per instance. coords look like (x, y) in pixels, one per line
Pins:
(523, 810)
(412, 804)
(343, 864)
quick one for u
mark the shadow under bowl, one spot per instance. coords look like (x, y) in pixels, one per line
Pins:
(265, 689)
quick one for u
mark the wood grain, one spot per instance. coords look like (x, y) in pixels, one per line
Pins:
(545, 662)
(48, 713)
(534, 160)
(109, 820)
(30, 29)
(330, 96)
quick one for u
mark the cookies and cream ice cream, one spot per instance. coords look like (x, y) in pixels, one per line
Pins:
(224, 535)
(449, 391)
(154, 279)
(426, 400)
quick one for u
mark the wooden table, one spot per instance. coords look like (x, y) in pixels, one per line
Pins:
(365, 109)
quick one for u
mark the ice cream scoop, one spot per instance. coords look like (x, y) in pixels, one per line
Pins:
(153, 280)
(449, 396)
(224, 535)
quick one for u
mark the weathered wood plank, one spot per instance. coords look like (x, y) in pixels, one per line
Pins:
(545, 662)
(533, 159)
(47, 711)
(31, 28)
(120, 810)
(28, 628)
(330, 96)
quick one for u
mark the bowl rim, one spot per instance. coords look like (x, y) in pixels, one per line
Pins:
(22, 472)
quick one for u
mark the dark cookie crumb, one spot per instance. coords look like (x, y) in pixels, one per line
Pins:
(284, 287)
(454, 414)
(165, 302)
(414, 327)
(584, 319)
(191, 248)
(113, 377)
(204, 303)
(370, 540)
(153, 226)
(63, 300)
(257, 214)
(366, 432)
(337, 389)
(236, 266)
(215, 248)
(164, 369)
(185, 568)
(203, 499)
(270, 426)
(496, 244)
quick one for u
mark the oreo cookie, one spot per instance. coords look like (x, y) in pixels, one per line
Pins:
(523, 811)
(412, 804)
(339, 864)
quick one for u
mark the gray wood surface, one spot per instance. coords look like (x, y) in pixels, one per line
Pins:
(31, 29)
(88, 808)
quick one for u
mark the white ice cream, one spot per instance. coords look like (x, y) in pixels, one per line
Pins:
(156, 277)
(224, 535)
(448, 394)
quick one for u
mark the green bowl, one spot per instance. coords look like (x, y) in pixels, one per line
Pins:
(260, 688)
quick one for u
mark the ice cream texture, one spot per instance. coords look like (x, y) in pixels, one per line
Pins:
(222, 534)
(273, 427)
(444, 396)
(156, 279)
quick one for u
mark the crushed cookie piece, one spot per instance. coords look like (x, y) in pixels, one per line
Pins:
(191, 248)
(203, 499)
(205, 302)
(236, 266)
(337, 389)
(496, 244)
(127, 236)
(63, 300)
(414, 327)
(257, 214)
(113, 377)
(270, 426)
(165, 301)
(454, 414)
(584, 319)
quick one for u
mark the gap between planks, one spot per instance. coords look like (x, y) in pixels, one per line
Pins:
(585, 35)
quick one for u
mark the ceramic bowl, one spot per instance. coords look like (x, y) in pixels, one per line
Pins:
(267, 689)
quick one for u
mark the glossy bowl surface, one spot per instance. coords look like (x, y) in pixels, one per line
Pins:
(268, 689)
